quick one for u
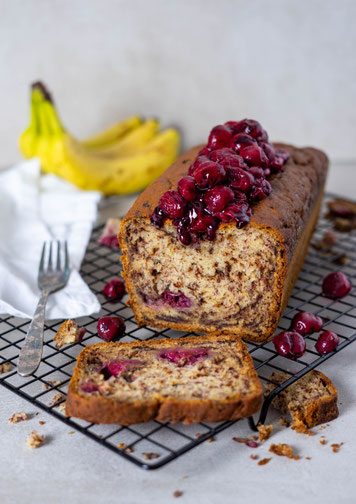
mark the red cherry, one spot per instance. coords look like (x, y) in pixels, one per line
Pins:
(240, 179)
(327, 342)
(172, 204)
(209, 174)
(253, 155)
(289, 344)
(110, 328)
(336, 285)
(219, 137)
(306, 323)
(241, 140)
(187, 188)
(218, 198)
(115, 289)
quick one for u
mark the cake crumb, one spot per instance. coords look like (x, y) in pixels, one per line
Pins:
(56, 399)
(18, 417)
(71, 432)
(68, 333)
(125, 448)
(34, 440)
(5, 368)
(264, 431)
(301, 428)
(282, 449)
(308, 458)
(177, 493)
(296, 457)
(336, 447)
(151, 455)
(198, 435)
(253, 456)
(62, 407)
(210, 439)
(41, 422)
(323, 441)
(50, 383)
(283, 422)
(263, 461)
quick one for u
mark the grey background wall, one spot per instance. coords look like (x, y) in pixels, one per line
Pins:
(194, 63)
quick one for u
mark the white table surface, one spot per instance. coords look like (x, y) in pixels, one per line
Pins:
(75, 469)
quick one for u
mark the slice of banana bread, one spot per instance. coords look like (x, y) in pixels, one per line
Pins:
(238, 283)
(185, 380)
(310, 401)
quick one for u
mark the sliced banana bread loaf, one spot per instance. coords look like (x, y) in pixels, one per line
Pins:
(186, 380)
(310, 401)
(239, 281)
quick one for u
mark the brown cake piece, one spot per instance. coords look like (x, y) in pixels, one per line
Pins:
(186, 380)
(240, 282)
(69, 333)
(310, 401)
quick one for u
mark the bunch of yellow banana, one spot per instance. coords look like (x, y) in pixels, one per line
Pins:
(123, 159)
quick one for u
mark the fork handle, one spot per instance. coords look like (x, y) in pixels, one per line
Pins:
(31, 352)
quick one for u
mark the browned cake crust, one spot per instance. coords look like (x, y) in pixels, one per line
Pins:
(187, 409)
(289, 215)
(311, 401)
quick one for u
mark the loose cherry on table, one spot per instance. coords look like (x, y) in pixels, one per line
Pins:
(289, 344)
(114, 290)
(327, 342)
(306, 323)
(336, 285)
(110, 327)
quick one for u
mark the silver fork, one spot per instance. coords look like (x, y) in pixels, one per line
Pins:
(50, 280)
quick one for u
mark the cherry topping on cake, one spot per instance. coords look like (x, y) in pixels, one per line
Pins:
(253, 155)
(289, 344)
(336, 285)
(187, 188)
(158, 217)
(183, 356)
(241, 140)
(218, 198)
(209, 174)
(240, 179)
(110, 327)
(306, 323)
(327, 342)
(114, 290)
(219, 154)
(220, 136)
(172, 204)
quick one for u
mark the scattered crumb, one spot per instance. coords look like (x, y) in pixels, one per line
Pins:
(198, 435)
(34, 440)
(41, 422)
(341, 260)
(328, 240)
(56, 399)
(239, 439)
(263, 461)
(336, 447)
(296, 457)
(308, 458)
(323, 441)
(50, 384)
(151, 455)
(5, 368)
(301, 428)
(71, 432)
(69, 333)
(283, 422)
(264, 431)
(210, 439)
(185, 477)
(253, 456)
(18, 417)
(282, 449)
(177, 493)
(37, 413)
(250, 441)
(125, 448)
(324, 426)
(62, 407)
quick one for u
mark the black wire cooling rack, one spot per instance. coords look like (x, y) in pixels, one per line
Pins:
(154, 444)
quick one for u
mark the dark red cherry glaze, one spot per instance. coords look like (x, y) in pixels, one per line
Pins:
(327, 342)
(228, 175)
(289, 344)
(306, 323)
(336, 285)
(110, 328)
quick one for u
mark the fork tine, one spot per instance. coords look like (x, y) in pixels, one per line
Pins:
(58, 256)
(42, 257)
(50, 257)
(66, 259)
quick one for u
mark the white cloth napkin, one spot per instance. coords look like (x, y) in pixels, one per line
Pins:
(35, 208)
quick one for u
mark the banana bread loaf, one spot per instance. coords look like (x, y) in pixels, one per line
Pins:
(186, 380)
(239, 279)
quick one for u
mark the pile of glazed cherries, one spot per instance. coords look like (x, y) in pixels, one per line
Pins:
(228, 174)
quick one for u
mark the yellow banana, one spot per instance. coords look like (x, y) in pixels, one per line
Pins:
(28, 138)
(113, 134)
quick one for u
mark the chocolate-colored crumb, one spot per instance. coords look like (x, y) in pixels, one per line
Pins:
(263, 461)
(150, 455)
(177, 493)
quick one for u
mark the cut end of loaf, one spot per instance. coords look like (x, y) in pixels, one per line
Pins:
(227, 285)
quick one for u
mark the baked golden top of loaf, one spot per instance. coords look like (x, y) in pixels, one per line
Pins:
(186, 379)
(286, 209)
